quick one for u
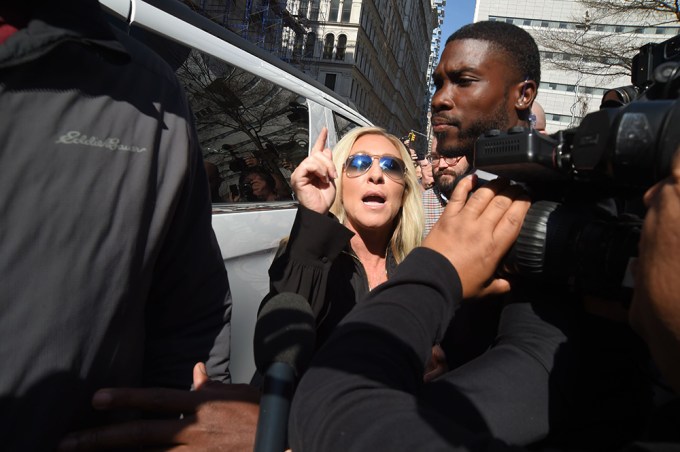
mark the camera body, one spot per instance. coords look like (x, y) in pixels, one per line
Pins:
(581, 232)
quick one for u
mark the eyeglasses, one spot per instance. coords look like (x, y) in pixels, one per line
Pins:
(359, 164)
(450, 161)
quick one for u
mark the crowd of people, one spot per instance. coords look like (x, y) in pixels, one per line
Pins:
(106, 322)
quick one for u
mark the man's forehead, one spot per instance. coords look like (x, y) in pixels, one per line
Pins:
(471, 54)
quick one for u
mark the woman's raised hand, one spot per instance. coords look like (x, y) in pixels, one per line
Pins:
(313, 181)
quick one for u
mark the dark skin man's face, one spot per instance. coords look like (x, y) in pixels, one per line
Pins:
(477, 89)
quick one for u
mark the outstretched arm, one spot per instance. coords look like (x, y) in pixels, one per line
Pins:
(216, 416)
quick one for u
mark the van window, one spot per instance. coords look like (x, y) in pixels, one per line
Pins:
(343, 125)
(253, 133)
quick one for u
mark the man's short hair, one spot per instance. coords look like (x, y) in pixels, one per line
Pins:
(515, 42)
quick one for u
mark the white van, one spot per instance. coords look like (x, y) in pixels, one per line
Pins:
(256, 118)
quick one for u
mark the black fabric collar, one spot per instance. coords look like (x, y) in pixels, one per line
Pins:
(56, 22)
(390, 260)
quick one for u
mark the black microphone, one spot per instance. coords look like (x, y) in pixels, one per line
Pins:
(285, 335)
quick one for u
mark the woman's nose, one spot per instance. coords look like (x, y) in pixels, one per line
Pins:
(375, 173)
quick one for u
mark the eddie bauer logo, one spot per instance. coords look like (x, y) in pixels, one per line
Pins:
(111, 143)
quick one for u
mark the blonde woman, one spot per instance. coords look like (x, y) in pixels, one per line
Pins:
(360, 214)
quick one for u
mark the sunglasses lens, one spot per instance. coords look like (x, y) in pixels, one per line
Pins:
(358, 164)
(392, 167)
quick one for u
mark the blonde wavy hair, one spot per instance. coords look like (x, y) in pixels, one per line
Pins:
(410, 222)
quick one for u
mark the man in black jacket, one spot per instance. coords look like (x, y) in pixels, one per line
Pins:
(110, 274)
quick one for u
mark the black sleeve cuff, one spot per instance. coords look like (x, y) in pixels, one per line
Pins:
(316, 238)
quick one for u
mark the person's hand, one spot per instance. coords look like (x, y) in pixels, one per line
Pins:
(215, 416)
(655, 309)
(251, 161)
(414, 156)
(313, 179)
(474, 234)
(436, 365)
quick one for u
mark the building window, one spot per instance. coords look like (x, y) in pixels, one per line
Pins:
(304, 6)
(297, 48)
(309, 45)
(527, 22)
(330, 81)
(346, 10)
(314, 12)
(335, 8)
(328, 46)
(342, 45)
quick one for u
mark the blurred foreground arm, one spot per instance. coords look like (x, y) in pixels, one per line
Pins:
(361, 392)
(655, 309)
(216, 416)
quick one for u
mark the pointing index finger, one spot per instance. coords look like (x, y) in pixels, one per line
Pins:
(320, 143)
(319, 148)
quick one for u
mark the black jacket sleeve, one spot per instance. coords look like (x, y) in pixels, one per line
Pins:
(302, 264)
(364, 390)
(514, 390)
(189, 308)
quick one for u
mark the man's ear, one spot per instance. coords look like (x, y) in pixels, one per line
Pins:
(526, 93)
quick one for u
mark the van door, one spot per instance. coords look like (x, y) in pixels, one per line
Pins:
(255, 122)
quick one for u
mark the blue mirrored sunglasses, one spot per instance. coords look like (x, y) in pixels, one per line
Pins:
(358, 164)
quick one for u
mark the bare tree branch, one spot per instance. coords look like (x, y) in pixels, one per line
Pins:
(593, 47)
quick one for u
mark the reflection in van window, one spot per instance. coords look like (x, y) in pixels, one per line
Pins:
(343, 125)
(257, 184)
(244, 123)
(253, 123)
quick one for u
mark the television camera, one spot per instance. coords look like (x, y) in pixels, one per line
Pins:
(587, 182)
